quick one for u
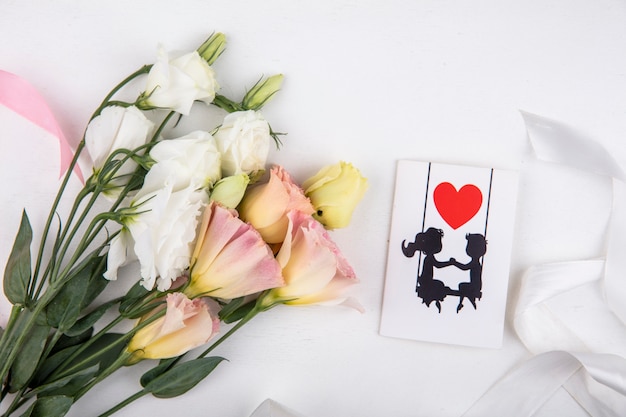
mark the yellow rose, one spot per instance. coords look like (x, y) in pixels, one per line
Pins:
(334, 192)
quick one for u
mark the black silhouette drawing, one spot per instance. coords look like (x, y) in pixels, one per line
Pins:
(430, 289)
(472, 290)
(429, 243)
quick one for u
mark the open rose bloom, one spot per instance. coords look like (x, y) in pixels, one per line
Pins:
(313, 267)
(230, 259)
(176, 83)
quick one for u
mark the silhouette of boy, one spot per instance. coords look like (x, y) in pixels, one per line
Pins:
(472, 290)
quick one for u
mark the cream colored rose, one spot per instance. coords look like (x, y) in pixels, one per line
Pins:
(244, 142)
(175, 84)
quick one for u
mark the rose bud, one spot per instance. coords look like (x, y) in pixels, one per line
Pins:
(334, 192)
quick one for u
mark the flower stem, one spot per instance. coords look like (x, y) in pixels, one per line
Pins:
(119, 362)
(12, 345)
(124, 403)
(251, 314)
(53, 210)
(58, 371)
(81, 145)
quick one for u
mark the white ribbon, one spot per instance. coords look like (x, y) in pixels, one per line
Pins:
(271, 408)
(586, 357)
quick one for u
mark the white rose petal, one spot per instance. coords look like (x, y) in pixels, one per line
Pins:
(163, 232)
(175, 84)
(116, 128)
(194, 157)
(118, 254)
(244, 142)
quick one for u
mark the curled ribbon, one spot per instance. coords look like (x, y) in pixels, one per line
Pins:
(591, 365)
(21, 97)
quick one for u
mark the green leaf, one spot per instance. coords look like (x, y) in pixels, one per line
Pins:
(66, 341)
(163, 366)
(76, 294)
(68, 385)
(51, 363)
(97, 282)
(181, 378)
(64, 309)
(28, 357)
(135, 294)
(236, 310)
(53, 406)
(86, 322)
(17, 273)
(103, 352)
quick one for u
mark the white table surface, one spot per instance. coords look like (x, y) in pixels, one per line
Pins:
(371, 82)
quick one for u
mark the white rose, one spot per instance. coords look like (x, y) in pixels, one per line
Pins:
(159, 236)
(175, 84)
(194, 157)
(164, 233)
(159, 227)
(244, 142)
(117, 128)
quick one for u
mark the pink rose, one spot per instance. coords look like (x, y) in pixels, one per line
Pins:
(314, 269)
(230, 259)
(266, 205)
(186, 325)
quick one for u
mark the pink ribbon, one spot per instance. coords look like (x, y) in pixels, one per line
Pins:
(21, 97)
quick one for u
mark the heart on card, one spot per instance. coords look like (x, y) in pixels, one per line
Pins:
(457, 207)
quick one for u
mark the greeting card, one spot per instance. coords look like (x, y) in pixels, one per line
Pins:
(449, 253)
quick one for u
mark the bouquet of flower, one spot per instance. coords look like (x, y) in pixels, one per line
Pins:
(217, 240)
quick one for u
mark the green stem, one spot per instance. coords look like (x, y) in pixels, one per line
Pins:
(143, 70)
(82, 246)
(5, 391)
(15, 342)
(119, 362)
(17, 402)
(227, 104)
(251, 314)
(58, 371)
(81, 145)
(124, 403)
(52, 212)
(13, 317)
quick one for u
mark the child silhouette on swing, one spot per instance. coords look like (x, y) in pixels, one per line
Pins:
(428, 288)
(472, 290)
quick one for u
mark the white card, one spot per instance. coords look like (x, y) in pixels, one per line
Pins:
(449, 254)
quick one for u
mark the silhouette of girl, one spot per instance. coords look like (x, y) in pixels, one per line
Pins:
(476, 248)
(428, 288)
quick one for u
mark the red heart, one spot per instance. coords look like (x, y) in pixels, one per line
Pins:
(457, 207)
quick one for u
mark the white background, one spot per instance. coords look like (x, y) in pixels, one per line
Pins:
(371, 82)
